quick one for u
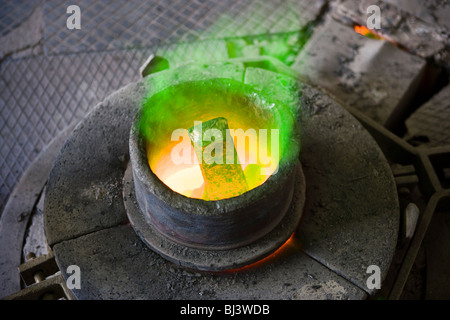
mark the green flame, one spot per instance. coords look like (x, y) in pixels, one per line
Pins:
(249, 98)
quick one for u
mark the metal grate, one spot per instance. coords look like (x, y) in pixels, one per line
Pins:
(13, 13)
(107, 25)
(39, 97)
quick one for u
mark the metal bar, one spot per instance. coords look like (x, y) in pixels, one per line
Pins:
(40, 268)
(394, 147)
(53, 288)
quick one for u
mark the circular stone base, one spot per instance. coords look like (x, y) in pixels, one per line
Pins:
(215, 260)
(350, 220)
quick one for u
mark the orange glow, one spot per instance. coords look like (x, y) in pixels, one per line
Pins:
(188, 182)
(222, 180)
(187, 179)
(289, 242)
(366, 32)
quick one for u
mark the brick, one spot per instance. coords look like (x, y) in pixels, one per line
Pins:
(420, 37)
(353, 68)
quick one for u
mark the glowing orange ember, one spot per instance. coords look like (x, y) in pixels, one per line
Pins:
(289, 243)
(366, 32)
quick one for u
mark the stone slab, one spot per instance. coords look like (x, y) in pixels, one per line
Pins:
(351, 216)
(433, 12)
(115, 264)
(353, 69)
(95, 171)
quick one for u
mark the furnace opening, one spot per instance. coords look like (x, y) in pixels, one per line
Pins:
(238, 155)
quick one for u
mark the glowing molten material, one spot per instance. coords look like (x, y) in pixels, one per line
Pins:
(246, 164)
(261, 128)
(220, 165)
(290, 244)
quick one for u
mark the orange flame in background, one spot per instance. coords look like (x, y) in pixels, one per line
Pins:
(366, 32)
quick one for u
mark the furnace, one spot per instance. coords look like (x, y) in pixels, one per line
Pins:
(283, 154)
(221, 244)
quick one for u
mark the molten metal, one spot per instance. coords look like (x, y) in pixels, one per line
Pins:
(221, 170)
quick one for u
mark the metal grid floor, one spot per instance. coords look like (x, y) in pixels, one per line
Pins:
(39, 97)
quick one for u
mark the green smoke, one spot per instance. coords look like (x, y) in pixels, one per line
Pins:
(248, 97)
(244, 78)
